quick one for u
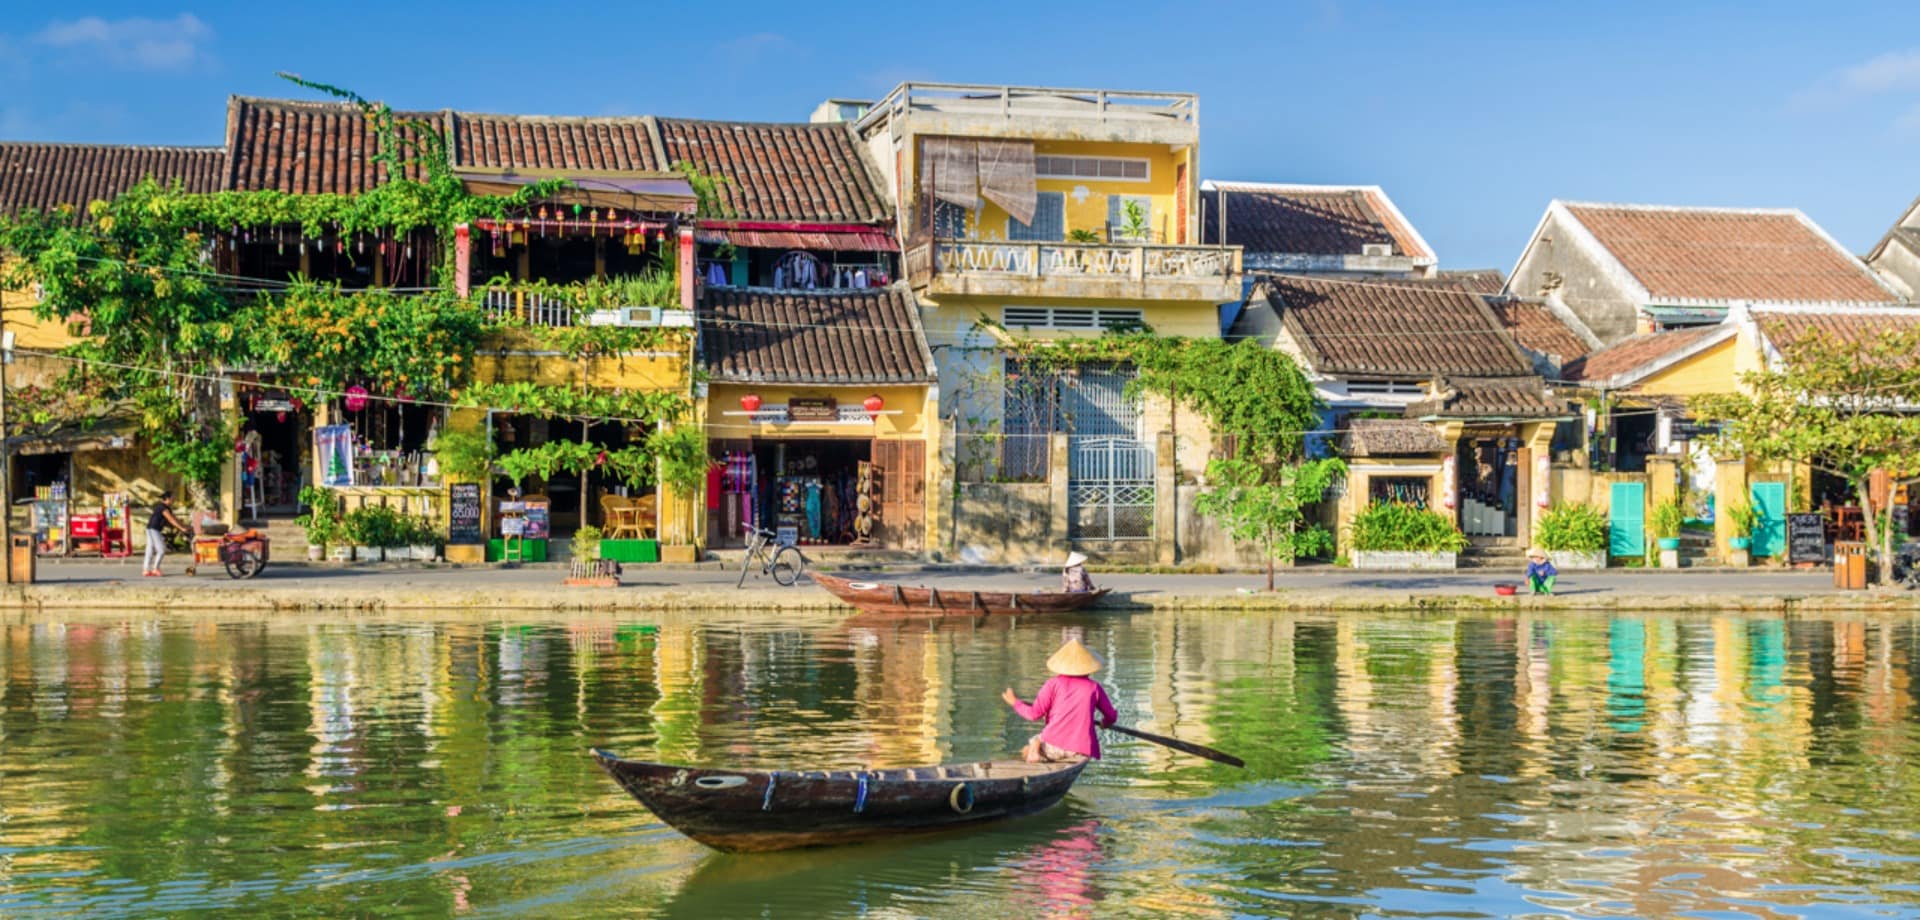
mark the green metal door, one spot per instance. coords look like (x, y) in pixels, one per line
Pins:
(1627, 519)
(1769, 518)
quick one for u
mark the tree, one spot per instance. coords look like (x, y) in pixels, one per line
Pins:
(1265, 505)
(1847, 405)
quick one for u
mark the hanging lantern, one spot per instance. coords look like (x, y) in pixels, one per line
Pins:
(576, 209)
(873, 404)
(298, 404)
(356, 398)
(750, 402)
(280, 416)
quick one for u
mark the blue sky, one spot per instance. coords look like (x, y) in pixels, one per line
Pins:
(1472, 116)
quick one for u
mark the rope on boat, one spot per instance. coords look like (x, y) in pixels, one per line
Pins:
(766, 801)
(860, 803)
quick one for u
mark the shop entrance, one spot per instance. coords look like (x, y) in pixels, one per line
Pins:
(1487, 471)
(273, 462)
(817, 491)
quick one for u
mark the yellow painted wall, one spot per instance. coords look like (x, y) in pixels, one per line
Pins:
(663, 369)
(950, 318)
(910, 401)
(1710, 371)
(1088, 209)
(32, 333)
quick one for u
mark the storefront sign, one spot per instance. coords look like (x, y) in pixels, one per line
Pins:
(334, 444)
(539, 521)
(273, 405)
(813, 409)
(1691, 431)
(463, 514)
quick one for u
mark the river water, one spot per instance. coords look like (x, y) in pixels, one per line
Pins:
(1398, 766)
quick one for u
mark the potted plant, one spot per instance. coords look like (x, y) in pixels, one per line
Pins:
(422, 539)
(1667, 518)
(1394, 535)
(586, 543)
(683, 459)
(1743, 519)
(1575, 535)
(373, 529)
(321, 522)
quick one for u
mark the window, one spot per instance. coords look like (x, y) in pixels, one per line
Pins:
(1111, 169)
(1049, 220)
(1086, 318)
(949, 220)
(1118, 226)
(1385, 388)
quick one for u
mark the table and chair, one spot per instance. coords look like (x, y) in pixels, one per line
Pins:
(628, 518)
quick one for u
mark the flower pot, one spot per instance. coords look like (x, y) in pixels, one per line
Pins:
(316, 552)
(1403, 559)
(1569, 560)
(1669, 542)
(369, 553)
(425, 552)
(339, 552)
(1740, 543)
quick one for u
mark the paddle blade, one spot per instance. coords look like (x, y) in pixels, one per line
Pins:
(1185, 747)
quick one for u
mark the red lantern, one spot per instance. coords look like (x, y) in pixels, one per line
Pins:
(356, 398)
(750, 402)
(280, 416)
(873, 404)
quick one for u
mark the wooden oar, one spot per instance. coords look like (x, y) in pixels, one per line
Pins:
(1185, 747)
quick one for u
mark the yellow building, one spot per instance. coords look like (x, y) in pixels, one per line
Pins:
(1052, 213)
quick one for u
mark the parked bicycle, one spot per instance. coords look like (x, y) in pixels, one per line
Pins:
(785, 563)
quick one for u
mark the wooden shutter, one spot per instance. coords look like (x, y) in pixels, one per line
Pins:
(886, 463)
(1626, 519)
(913, 489)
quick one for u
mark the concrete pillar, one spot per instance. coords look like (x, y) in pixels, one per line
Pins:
(1057, 476)
(1166, 500)
(1729, 486)
(941, 498)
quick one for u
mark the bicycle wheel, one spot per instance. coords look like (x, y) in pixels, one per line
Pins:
(746, 563)
(787, 566)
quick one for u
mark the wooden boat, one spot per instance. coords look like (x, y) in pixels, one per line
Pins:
(889, 597)
(746, 811)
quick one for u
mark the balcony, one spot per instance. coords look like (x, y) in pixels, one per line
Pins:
(1084, 270)
(984, 110)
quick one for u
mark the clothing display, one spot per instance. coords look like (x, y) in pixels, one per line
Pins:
(716, 274)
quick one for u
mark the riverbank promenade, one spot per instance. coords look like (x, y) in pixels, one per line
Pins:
(297, 586)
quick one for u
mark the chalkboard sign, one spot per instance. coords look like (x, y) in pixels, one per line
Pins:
(463, 514)
(1806, 538)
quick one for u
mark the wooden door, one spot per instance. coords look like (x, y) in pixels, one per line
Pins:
(901, 468)
(1627, 519)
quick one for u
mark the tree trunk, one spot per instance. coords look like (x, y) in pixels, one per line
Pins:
(1871, 523)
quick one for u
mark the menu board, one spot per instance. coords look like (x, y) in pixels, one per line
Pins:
(464, 514)
(539, 521)
(1806, 538)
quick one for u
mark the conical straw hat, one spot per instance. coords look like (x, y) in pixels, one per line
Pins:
(1074, 659)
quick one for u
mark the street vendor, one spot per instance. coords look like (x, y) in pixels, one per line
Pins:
(157, 524)
(1069, 702)
(1073, 576)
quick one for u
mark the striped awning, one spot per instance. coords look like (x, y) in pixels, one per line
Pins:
(758, 235)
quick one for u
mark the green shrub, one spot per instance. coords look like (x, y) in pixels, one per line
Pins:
(1572, 528)
(322, 520)
(586, 543)
(1398, 527)
(377, 525)
(1742, 516)
(1667, 519)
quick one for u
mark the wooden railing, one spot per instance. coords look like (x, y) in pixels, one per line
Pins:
(1087, 260)
(530, 307)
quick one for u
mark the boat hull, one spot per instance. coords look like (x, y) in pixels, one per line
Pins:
(887, 597)
(747, 811)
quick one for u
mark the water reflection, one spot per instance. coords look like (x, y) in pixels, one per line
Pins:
(1465, 766)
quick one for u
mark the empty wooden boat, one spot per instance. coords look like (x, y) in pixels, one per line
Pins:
(890, 597)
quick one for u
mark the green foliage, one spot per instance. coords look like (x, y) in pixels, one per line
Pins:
(422, 531)
(322, 521)
(1082, 235)
(420, 346)
(1668, 516)
(179, 450)
(1266, 505)
(1741, 516)
(632, 465)
(683, 457)
(463, 455)
(569, 402)
(1134, 226)
(1573, 528)
(377, 525)
(586, 543)
(706, 190)
(1399, 527)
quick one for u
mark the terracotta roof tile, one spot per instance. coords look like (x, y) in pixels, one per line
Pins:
(1308, 220)
(1723, 254)
(1507, 397)
(1393, 329)
(307, 148)
(1477, 280)
(814, 173)
(624, 144)
(1533, 324)
(43, 177)
(1379, 437)
(1635, 352)
(757, 335)
(1783, 328)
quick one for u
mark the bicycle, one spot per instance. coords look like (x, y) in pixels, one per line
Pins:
(785, 563)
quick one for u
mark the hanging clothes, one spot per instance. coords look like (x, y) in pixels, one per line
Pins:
(813, 508)
(716, 274)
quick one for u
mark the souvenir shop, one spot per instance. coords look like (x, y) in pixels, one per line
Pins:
(272, 454)
(810, 492)
(795, 269)
(1487, 466)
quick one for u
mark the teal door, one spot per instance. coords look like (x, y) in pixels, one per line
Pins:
(1627, 519)
(1769, 518)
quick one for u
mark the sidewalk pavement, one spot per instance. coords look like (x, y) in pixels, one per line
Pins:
(293, 586)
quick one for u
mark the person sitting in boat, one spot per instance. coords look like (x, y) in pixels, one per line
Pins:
(1074, 579)
(1069, 702)
(1540, 571)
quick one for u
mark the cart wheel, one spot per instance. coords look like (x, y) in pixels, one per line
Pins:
(244, 564)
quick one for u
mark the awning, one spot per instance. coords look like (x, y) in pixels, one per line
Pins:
(855, 237)
(660, 192)
(105, 434)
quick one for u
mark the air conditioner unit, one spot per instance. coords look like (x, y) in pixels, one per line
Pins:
(1376, 249)
(625, 316)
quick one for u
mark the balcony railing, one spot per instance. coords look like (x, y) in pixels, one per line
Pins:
(529, 307)
(1114, 261)
(1013, 102)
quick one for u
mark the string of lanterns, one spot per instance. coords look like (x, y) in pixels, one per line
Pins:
(635, 232)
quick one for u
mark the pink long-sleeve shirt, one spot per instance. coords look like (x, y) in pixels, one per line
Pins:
(1068, 704)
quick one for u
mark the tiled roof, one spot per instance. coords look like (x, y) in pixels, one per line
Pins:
(1477, 280)
(757, 335)
(1724, 254)
(1390, 329)
(812, 173)
(1330, 220)
(306, 148)
(1379, 437)
(1635, 352)
(43, 177)
(626, 144)
(1535, 326)
(1783, 328)
(1506, 397)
